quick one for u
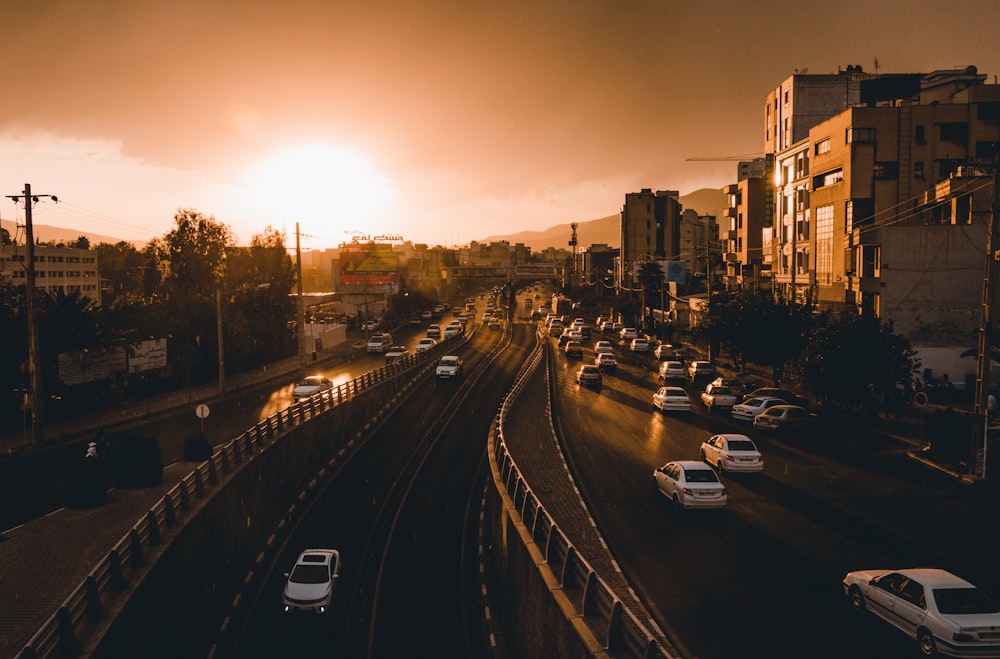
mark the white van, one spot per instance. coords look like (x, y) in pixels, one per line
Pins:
(379, 342)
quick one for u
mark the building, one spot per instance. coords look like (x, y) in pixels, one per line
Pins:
(57, 268)
(742, 233)
(650, 230)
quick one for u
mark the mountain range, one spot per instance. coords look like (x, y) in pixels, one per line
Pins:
(604, 230)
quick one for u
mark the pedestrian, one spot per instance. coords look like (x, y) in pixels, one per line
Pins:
(91, 451)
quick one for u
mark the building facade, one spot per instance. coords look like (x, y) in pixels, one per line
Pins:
(57, 269)
(650, 230)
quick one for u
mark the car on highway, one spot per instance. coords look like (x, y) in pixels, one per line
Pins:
(666, 351)
(494, 324)
(310, 386)
(627, 333)
(454, 328)
(395, 352)
(774, 392)
(449, 366)
(312, 581)
(672, 371)
(690, 484)
(943, 612)
(425, 344)
(379, 342)
(782, 417)
(716, 396)
(735, 386)
(606, 361)
(671, 399)
(434, 331)
(588, 374)
(751, 407)
(699, 369)
(639, 345)
(732, 452)
(573, 349)
(603, 346)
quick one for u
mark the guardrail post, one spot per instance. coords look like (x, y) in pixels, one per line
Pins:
(135, 544)
(281, 423)
(199, 482)
(213, 473)
(168, 511)
(67, 636)
(116, 575)
(225, 461)
(154, 529)
(614, 626)
(588, 601)
(185, 498)
(93, 598)
(567, 565)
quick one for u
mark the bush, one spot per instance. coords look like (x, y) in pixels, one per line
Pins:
(197, 448)
(136, 462)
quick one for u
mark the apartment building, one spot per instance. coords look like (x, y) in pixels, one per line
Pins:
(57, 268)
(650, 229)
(742, 233)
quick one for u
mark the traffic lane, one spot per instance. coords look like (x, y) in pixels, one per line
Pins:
(745, 568)
(344, 519)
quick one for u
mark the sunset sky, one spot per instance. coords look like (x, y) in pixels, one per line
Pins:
(441, 122)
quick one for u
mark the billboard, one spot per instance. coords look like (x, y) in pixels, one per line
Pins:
(369, 265)
(93, 366)
(529, 270)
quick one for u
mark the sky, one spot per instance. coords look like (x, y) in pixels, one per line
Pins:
(438, 121)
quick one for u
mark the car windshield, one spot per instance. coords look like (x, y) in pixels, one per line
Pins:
(963, 601)
(448, 362)
(700, 476)
(309, 574)
(741, 445)
(311, 382)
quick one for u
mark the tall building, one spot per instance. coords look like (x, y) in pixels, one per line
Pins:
(650, 229)
(742, 234)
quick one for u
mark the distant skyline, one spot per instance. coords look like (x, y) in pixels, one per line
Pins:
(441, 122)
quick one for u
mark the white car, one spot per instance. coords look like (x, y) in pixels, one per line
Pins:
(640, 345)
(944, 613)
(395, 352)
(628, 333)
(671, 399)
(312, 581)
(782, 417)
(672, 371)
(450, 366)
(453, 329)
(310, 386)
(751, 407)
(425, 344)
(730, 452)
(700, 369)
(588, 374)
(605, 361)
(690, 484)
(603, 346)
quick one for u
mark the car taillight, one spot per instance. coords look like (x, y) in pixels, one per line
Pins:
(687, 490)
(730, 458)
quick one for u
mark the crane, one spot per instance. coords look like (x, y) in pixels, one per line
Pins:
(745, 156)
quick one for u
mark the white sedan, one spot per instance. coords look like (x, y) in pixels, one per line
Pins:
(672, 399)
(603, 346)
(425, 344)
(944, 613)
(690, 484)
(731, 452)
(311, 386)
(751, 407)
(312, 581)
(628, 333)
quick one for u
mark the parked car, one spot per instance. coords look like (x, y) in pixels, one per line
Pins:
(690, 484)
(603, 346)
(588, 374)
(312, 581)
(735, 386)
(751, 407)
(573, 349)
(628, 333)
(449, 366)
(671, 399)
(731, 452)
(672, 371)
(310, 386)
(425, 344)
(699, 369)
(717, 395)
(433, 331)
(639, 345)
(784, 394)
(606, 361)
(943, 612)
(782, 417)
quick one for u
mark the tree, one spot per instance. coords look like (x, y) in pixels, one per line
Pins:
(122, 271)
(650, 278)
(855, 361)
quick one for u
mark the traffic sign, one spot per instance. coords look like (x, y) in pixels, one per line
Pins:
(920, 399)
(202, 411)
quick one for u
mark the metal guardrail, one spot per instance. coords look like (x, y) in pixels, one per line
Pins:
(59, 636)
(622, 633)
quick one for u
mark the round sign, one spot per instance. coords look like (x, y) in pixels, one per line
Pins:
(201, 411)
(920, 399)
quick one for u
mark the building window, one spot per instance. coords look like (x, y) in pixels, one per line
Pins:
(860, 135)
(858, 213)
(988, 111)
(918, 135)
(828, 178)
(918, 169)
(823, 146)
(886, 170)
(987, 150)
(955, 131)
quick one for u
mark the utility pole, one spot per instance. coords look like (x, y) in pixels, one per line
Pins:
(984, 358)
(34, 350)
(300, 313)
